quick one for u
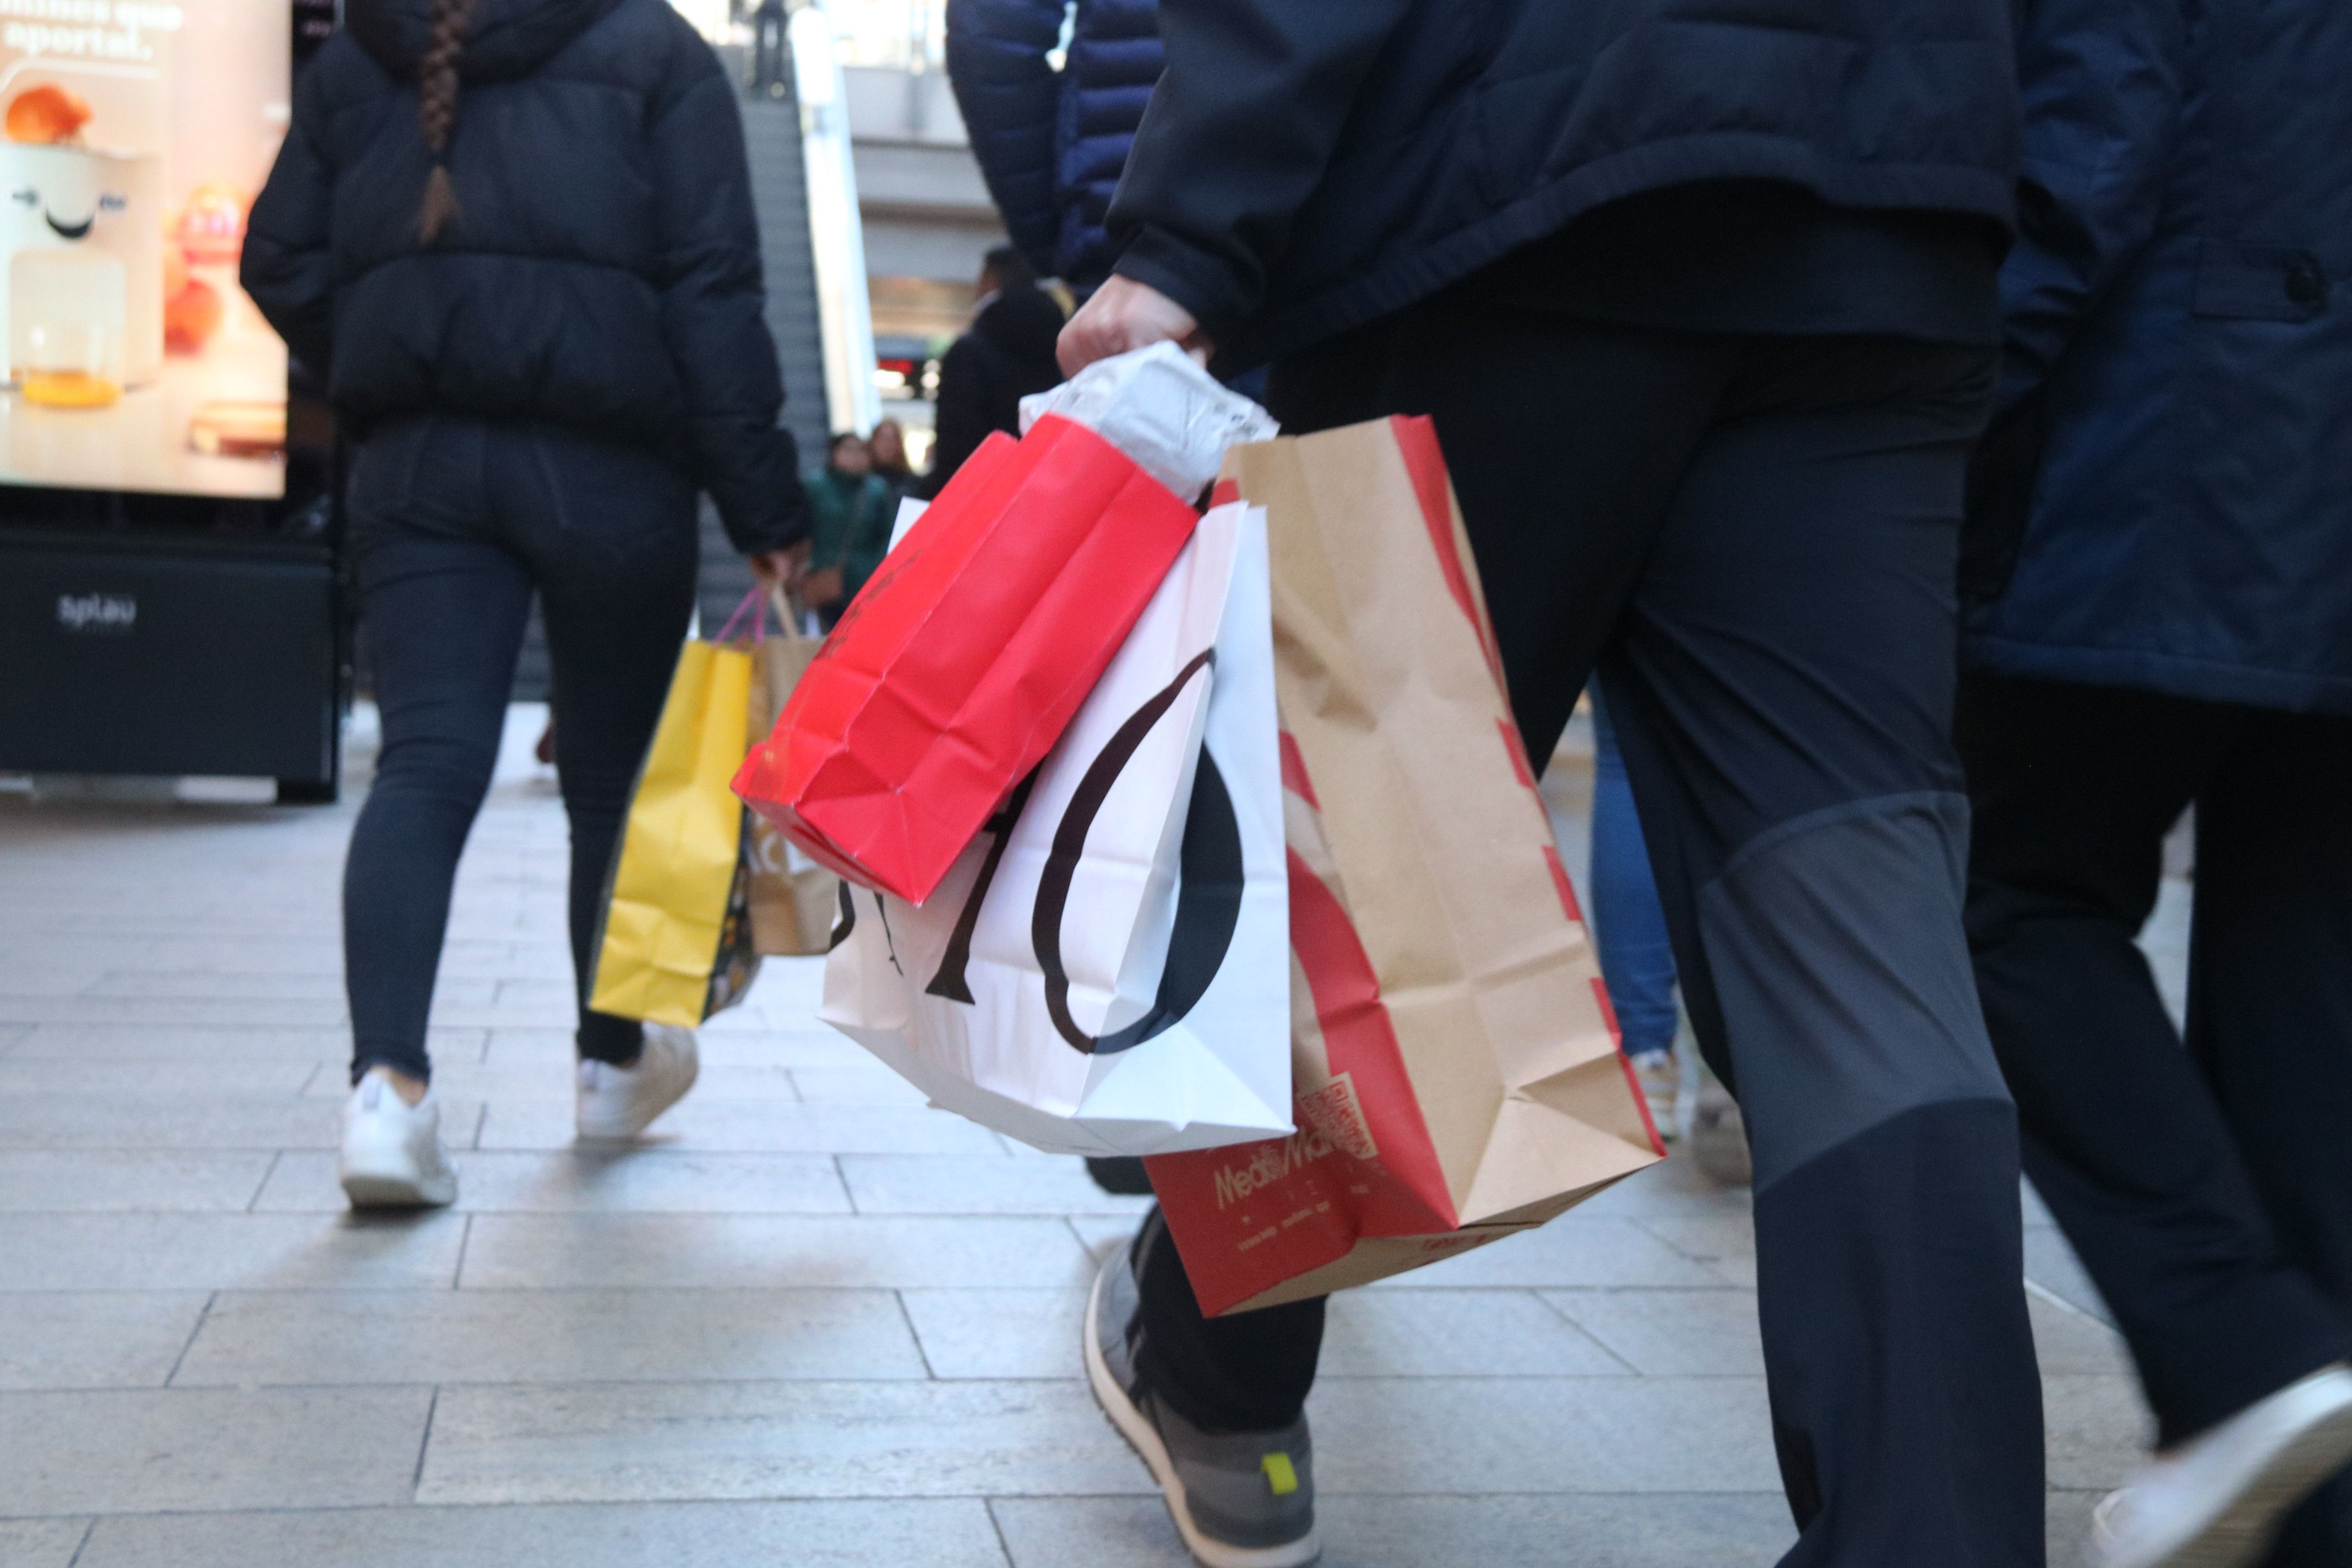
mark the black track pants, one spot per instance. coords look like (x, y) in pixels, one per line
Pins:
(1753, 540)
(2208, 1191)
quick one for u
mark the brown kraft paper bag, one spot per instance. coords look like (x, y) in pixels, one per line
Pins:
(793, 898)
(1454, 1060)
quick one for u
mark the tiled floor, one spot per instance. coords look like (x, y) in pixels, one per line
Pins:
(814, 1324)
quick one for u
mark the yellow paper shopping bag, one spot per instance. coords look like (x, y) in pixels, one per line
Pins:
(676, 945)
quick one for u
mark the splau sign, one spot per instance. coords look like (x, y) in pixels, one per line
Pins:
(1107, 969)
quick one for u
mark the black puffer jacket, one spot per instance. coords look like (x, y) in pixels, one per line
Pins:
(604, 272)
(1306, 166)
(1007, 355)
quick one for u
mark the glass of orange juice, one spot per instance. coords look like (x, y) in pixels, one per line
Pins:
(66, 311)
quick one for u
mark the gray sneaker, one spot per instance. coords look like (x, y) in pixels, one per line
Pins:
(1244, 1500)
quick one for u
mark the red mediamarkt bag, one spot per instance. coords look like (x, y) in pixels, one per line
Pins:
(957, 668)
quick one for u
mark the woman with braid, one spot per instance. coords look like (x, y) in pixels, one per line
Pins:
(516, 239)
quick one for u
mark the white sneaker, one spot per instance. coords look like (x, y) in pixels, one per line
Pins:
(2215, 1501)
(621, 1102)
(1661, 1077)
(391, 1156)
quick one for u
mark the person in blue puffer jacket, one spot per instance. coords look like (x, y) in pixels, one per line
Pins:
(1052, 143)
(2158, 594)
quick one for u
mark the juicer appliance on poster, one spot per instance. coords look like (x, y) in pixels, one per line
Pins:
(134, 135)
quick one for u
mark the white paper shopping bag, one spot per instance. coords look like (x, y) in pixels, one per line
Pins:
(1106, 969)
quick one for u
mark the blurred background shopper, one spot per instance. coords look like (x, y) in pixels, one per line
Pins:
(1006, 355)
(2159, 615)
(850, 511)
(887, 449)
(1702, 295)
(516, 237)
(1629, 929)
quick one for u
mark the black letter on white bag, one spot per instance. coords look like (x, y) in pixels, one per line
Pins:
(1208, 901)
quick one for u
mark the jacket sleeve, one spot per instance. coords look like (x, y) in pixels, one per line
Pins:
(1238, 134)
(2102, 82)
(1010, 101)
(287, 267)
(708, 269)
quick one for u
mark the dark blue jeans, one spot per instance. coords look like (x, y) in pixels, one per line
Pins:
(454, 523)
(1629, 923)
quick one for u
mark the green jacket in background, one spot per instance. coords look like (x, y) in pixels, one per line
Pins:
(850, 517)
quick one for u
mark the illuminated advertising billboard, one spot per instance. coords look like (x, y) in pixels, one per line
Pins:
(136, 135)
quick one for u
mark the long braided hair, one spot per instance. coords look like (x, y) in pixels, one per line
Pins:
(436, 111)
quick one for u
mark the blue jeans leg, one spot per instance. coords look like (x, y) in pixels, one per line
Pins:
(1629, 924)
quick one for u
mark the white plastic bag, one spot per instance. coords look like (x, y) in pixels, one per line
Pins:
(1161, 409)
(1106, 970)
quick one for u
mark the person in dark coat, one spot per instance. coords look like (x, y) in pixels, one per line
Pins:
(2159, 617)
(1051, 145)
(1007, 355)
(1701, 295)
(516, 239)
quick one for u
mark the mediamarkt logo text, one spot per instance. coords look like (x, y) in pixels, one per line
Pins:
(1271, 1163)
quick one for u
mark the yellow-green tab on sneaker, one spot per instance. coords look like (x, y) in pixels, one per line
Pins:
(1279, 1474)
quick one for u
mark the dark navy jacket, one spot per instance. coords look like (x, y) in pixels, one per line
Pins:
(2179, 376)
(603, 273)
(1052, 146)
(1305, 167)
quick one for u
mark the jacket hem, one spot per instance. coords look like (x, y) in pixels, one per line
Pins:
(2174, 675)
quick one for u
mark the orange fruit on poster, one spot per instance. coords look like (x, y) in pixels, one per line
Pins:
(47, 113)
(192, 316)
(212, 226)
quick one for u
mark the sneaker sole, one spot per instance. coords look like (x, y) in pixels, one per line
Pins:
(2238, 1534)
(1144, 1439)
(384, 1190)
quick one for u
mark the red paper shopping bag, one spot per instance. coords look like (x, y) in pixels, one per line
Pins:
(955, 670)
(1454, 1069)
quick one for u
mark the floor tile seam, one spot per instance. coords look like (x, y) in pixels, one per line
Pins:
(2035, 1287)
(10, 1293)
(512, 1213)
(914, 1335)
(1075, 1379)
(1708, 1290)
(203, 1315)
(1557, 1311)
(465, 1243)
(423, 1444)
(443, 1383)
(996, 1526)
(8, 1148)
(459, 1506)
(82, 1545)
(1143, 1489)
(277, 1158)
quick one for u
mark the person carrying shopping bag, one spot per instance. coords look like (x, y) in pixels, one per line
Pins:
(516, 238)
(1701, 296)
